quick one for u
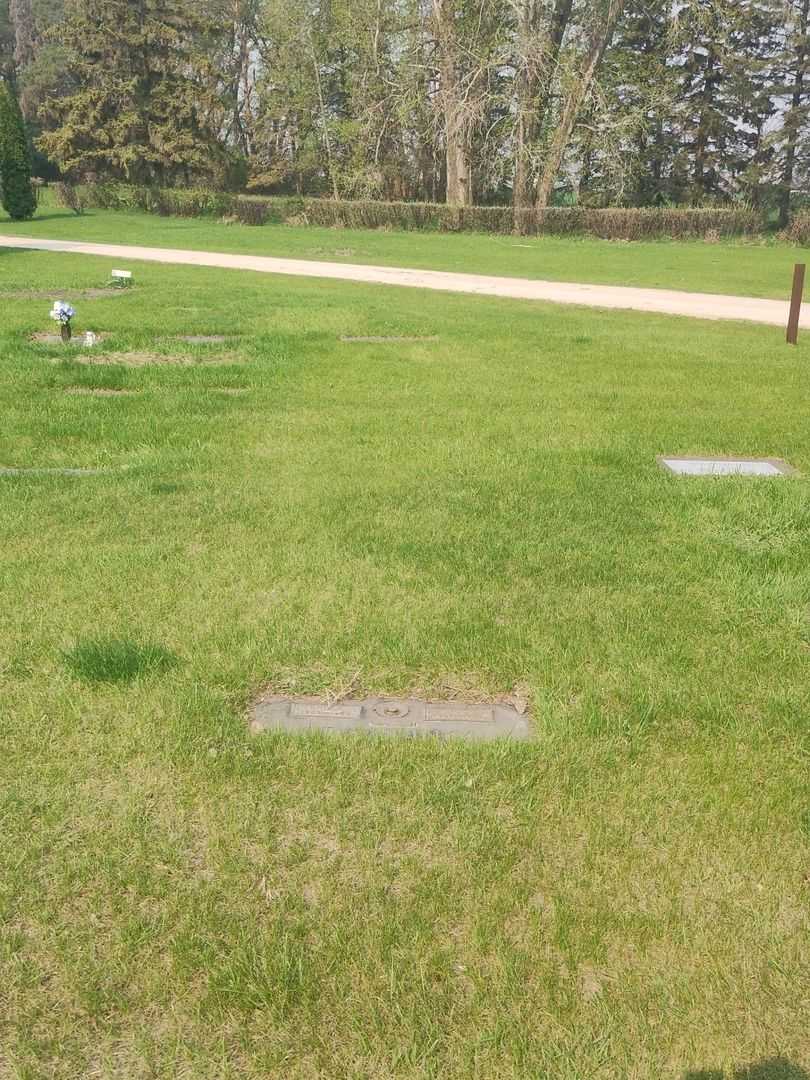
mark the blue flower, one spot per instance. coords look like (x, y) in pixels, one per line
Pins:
(62, 312)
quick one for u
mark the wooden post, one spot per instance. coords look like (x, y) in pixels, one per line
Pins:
(795, 304)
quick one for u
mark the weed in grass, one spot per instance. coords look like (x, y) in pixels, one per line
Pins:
(16, 667)
(99, 391)
(117, 660)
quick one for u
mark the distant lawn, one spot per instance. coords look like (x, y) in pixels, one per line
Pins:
(625, 897)
(756, 268)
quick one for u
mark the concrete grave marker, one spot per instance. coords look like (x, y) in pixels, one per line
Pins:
(203, 339)
(407, 718)
(75, 342)
(377, 340)
(53, 472)
(688, 466)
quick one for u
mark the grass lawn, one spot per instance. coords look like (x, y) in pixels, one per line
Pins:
(626, 896)
(761, 269)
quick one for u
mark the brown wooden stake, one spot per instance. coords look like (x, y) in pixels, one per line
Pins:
(795, 304)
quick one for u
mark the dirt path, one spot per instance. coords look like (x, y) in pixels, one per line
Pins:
(662, 301)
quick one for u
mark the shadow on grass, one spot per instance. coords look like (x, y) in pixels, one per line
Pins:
(51, 216)
(117, 660)
(773, 1069)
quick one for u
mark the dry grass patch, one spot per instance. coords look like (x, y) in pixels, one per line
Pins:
(99, 391)
(462, 688)
(138, 359)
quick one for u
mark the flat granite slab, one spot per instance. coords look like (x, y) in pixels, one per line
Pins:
(691, 466)
(76, 342)
(377, 340)
(205, 339)
(391, 716)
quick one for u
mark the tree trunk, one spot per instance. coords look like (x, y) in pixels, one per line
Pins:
(327, 141)
(458, 181)
(22, 19)
(456, 128)
(526, 118)
(702, 137)
(657, 164)
(573, 104)
(793, 118)
(586, 167)
(536, 64)
(243, 37)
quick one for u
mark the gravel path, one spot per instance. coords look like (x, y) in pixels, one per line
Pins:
(662, 301)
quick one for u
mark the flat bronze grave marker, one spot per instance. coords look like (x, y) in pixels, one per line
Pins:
(409, 718)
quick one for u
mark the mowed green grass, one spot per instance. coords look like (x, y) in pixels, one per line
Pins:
(753, 268)
(627, 896)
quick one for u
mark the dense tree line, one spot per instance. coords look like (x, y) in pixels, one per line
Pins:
(626, 102)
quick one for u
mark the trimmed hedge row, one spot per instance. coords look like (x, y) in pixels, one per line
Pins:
(630, 224)
(641, 224)
(168, 202)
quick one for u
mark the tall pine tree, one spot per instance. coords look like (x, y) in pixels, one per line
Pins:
(792, 141)
(638, 87)
(146, 107)
(18, 196)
